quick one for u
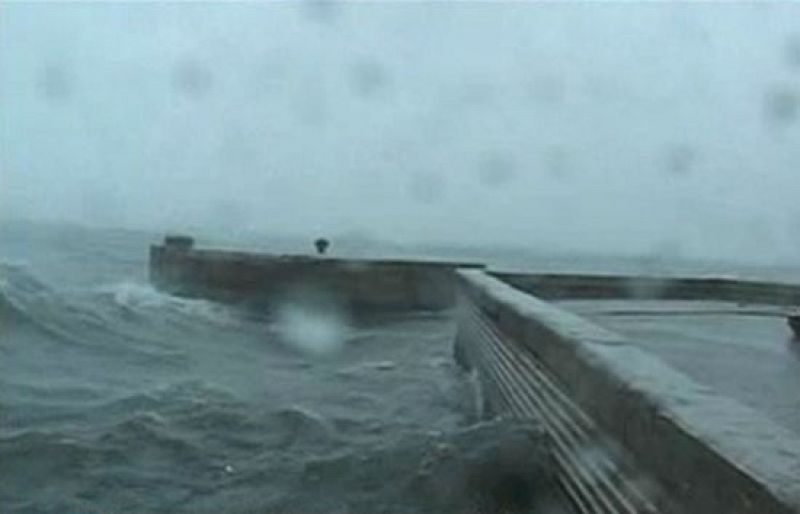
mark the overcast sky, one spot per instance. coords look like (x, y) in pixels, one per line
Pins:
(618, 128)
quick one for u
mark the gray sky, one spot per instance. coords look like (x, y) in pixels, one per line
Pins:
(618, 128)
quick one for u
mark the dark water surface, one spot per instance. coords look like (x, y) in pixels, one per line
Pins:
(115, 397)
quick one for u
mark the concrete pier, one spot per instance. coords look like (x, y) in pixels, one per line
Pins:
(659, 395)
(686, 435)
(747, 352)
(176, 266)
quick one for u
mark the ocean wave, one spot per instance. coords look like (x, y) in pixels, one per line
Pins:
(30, 463)
(498, 466)
(131, 468)
(119, 317)
(194, 447)
(26, 298)
(18, 288)
(146, 452)
(144, 299)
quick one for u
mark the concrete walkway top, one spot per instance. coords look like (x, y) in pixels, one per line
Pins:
(746, 352)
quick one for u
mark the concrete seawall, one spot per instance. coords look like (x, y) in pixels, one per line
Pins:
(706, 452)
(630, 433)
(574, 286)
(240, 277)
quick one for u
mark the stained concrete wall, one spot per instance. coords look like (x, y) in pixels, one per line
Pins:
(258, 278)
(708, 453)
(586, 286)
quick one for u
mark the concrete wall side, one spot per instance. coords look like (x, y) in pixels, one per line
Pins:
(245, 278)
(555, 286)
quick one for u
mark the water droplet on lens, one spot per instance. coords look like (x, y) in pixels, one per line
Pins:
(680, 159)
(368, 78)
(54, 83)
(427, 188)
(496, 169)
(192, 78)
(781, 105)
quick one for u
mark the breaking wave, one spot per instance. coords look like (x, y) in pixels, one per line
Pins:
(122, 311)
(124, 467)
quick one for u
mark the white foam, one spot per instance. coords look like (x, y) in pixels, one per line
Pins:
(138, 296)
(132, 294)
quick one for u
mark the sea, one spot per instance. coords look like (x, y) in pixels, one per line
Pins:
(118, 398)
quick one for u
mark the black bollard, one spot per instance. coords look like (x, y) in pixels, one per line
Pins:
(322, 245)
(794, 324)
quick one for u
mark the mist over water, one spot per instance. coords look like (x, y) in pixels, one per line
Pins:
(623, 129)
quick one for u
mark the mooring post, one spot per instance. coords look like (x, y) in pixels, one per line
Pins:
(794, 323)
(178, 243)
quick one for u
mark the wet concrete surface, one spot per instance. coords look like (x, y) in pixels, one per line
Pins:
(743, 351)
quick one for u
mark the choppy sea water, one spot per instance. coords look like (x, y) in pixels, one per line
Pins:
(115, 397)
